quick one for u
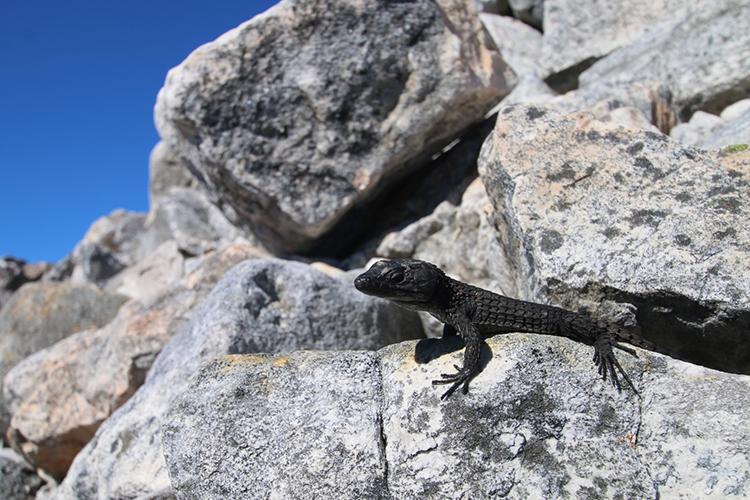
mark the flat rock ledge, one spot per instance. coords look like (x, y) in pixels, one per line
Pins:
(536, 423)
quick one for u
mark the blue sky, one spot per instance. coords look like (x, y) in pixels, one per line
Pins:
(78, 82)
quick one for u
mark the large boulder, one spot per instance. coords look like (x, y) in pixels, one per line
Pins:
(629, 224)
(538, 422)
(261, 306)
(59, 396)
(301, 113)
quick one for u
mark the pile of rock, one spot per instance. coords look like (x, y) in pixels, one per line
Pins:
(577, 153)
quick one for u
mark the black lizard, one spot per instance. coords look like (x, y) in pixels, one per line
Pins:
(473, 312)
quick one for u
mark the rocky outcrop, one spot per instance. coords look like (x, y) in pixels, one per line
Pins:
(260, 306)
(298, 115)
(166, 171)
(18, 481)
(627, 223)
(538, 422)
(59, 396)
(15, 272)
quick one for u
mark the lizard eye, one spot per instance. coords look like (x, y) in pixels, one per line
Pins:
(396, 276)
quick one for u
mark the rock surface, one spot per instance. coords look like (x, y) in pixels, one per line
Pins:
(629, 223)
(18, 481)
(260, 306)
(166, 171)
(40, 314)
(710, 35)
(578, 32)
(59, 396)
(537, 423)
(297, 115)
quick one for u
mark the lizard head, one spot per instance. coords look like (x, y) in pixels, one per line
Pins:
(401, 280)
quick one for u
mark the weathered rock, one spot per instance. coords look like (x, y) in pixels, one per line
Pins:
(710, 35)
(458, 239)
(302, 435)
(578, 32)
(260, 306)
(153, 275)
(40, 314)
(18, 481)
(628, 223)
(701, 126)
(187, 217)
(735, 110)
(308, 109)
(95, 263)
(529, 11)
(59, 396)
(15, 272)
(630, 117)
(530, 90)
(118, 235)
(166, 171)
(535, 424)
(735, 132)
(518, 43)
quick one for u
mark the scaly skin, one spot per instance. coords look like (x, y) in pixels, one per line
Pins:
(474, 312)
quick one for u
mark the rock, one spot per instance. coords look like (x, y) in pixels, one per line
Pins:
(260, 306)
(530, 90)
(518, 43)
(458, 239)
(630, 117)
(117, 235)
(153, 275)
(492, 6)
(40, 314)
(95, 264)
(578, 32)
(15, 272)
(59, 396)
(529, 11)
(735, 132)
(18, 481)
(536, 422)
(166, 171)
(187, 217)
(701, 126)
(629, 224)
(671, 52)
(735, 110)
(300, 432)
(303, 112)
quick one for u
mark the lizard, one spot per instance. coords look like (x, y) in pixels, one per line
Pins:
(473, 312)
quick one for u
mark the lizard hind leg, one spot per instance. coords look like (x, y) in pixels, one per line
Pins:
(607, 363)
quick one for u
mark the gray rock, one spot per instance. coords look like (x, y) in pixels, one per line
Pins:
(152, 276)
(629, 224)
(529, 11)
(518, 43)
(577, 32)
(187, 217)
(15, 272)
(700, 128)
(59, 396)
(166, 171)
(535, 424)
(117, 235)
(735, 132)
(302, 435)
(735, 110)
(40, 314)
(530, 90)
(18, 481)
(671, 52)
(260, 306)
(306, 110)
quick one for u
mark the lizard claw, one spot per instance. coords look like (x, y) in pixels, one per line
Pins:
(462, 376)
(608, 366)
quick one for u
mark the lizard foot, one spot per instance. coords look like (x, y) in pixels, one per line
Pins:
(608, 365)
(462, 376)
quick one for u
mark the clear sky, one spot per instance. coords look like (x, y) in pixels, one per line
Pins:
(78, 83)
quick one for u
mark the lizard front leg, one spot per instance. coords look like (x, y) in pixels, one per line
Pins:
(472, 357)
